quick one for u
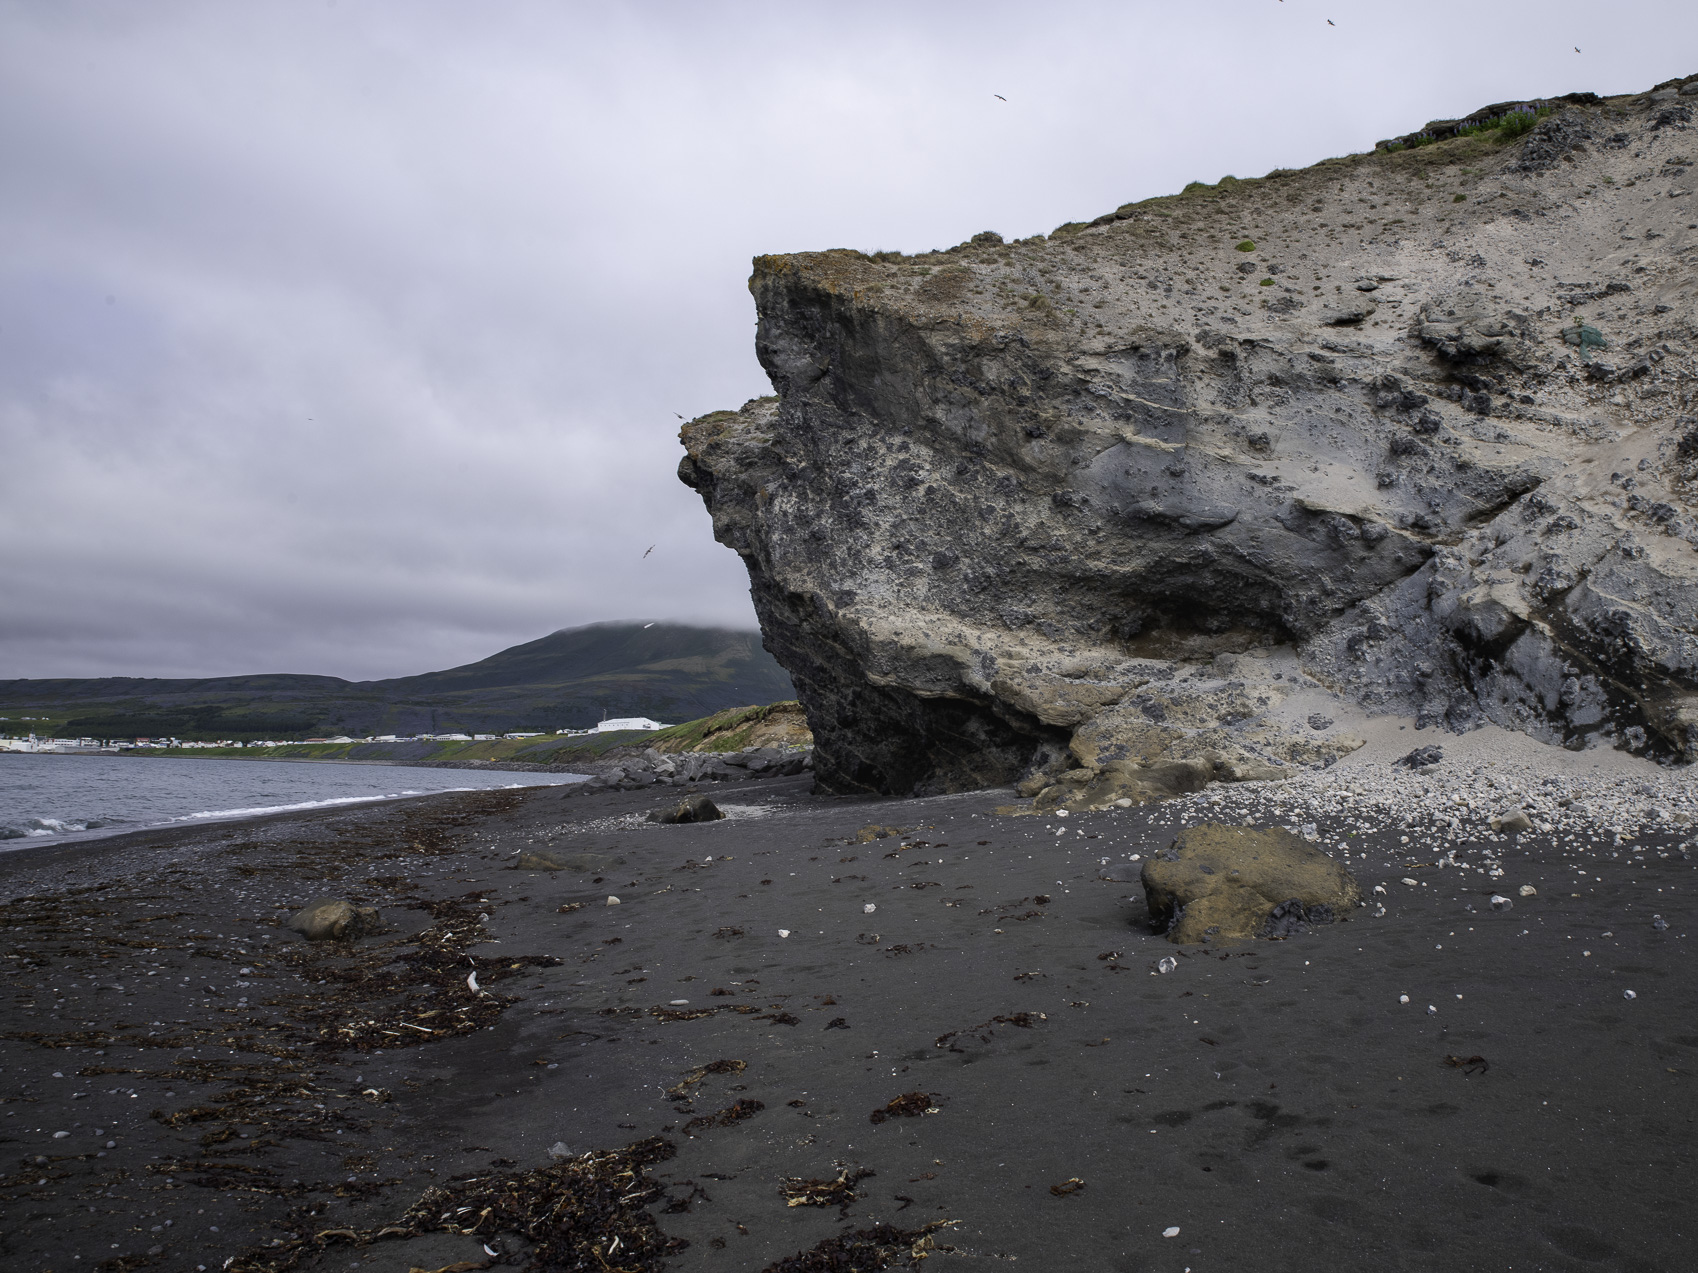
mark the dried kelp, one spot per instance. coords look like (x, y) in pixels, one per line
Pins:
(588, 1214)
(985, 1029)
(681, 1090)
(838, 1191)
(908, 1105)
(734, 1113)
(865, 1251)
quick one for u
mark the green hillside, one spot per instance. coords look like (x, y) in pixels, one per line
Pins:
(567, 680)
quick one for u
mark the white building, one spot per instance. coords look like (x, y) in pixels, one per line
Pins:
(628, 722)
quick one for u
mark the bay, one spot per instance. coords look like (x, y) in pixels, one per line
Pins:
(46, 798)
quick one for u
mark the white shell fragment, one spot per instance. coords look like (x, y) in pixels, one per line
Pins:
(868, 909)
(1403, 998)
(1501, 903)
(784, 932)
(472, 983)
(1628, 994)
(1172, 1231)
(1167, 964)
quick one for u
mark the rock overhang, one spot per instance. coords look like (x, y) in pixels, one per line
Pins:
(984, 464)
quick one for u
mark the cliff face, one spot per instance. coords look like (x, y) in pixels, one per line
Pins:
(1112, 511)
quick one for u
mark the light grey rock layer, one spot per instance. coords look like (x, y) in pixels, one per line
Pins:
(1021, 511)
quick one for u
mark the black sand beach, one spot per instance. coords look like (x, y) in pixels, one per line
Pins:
(189, 1085)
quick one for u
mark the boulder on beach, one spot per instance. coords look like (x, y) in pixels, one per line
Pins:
(582, 863)
(335, 919)
(1512, 822)
(695, 809)
(1219, 882)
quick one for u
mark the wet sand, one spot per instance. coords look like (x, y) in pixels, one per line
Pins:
(233, 1094)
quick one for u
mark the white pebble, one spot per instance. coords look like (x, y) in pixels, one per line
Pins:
(1403, 998)
(1628, 994)
(784, 932)
(1432, 1011)
(678, 1003)
(868, 909)
(1172, 1231)
(613, 901)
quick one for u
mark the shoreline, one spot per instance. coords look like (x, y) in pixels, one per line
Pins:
(34, 846)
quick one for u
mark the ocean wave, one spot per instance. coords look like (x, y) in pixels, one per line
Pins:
(34, 828)
(307, 804)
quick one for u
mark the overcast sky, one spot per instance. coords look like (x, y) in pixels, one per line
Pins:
(348, 336)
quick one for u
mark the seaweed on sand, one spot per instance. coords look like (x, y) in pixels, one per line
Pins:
(865, 1251)
(908, 1105)
(588, 1214)
(838, 1191)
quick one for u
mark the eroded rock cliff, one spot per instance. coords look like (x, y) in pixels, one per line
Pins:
(1117, 512)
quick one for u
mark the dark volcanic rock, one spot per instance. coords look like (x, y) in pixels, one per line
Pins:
(1020, 510)
(695, 809)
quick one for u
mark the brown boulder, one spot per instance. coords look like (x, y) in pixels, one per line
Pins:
(335, 919)
(1219, 882)
(582, 863)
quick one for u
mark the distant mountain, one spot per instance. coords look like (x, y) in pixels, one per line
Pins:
(567, 680)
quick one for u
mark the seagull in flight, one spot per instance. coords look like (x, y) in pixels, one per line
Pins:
(650, 549)
(1577, 48)
(999, 97)
(1331, 23)
(679, 416)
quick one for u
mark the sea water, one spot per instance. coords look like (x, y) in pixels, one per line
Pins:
(46, 797)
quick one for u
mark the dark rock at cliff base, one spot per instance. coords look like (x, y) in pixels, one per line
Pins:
(1021, 510)
(695, 809)
(1421, 757)
(335, 919)
(1217, 883)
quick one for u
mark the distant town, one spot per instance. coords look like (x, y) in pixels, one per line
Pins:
(14, 740)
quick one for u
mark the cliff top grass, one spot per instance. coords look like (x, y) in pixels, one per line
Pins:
(1440, 144)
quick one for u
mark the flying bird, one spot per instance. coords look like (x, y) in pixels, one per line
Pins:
(999, 97)
(650, 549)
(679, 416)
(1331, 23)
(1577, 48)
